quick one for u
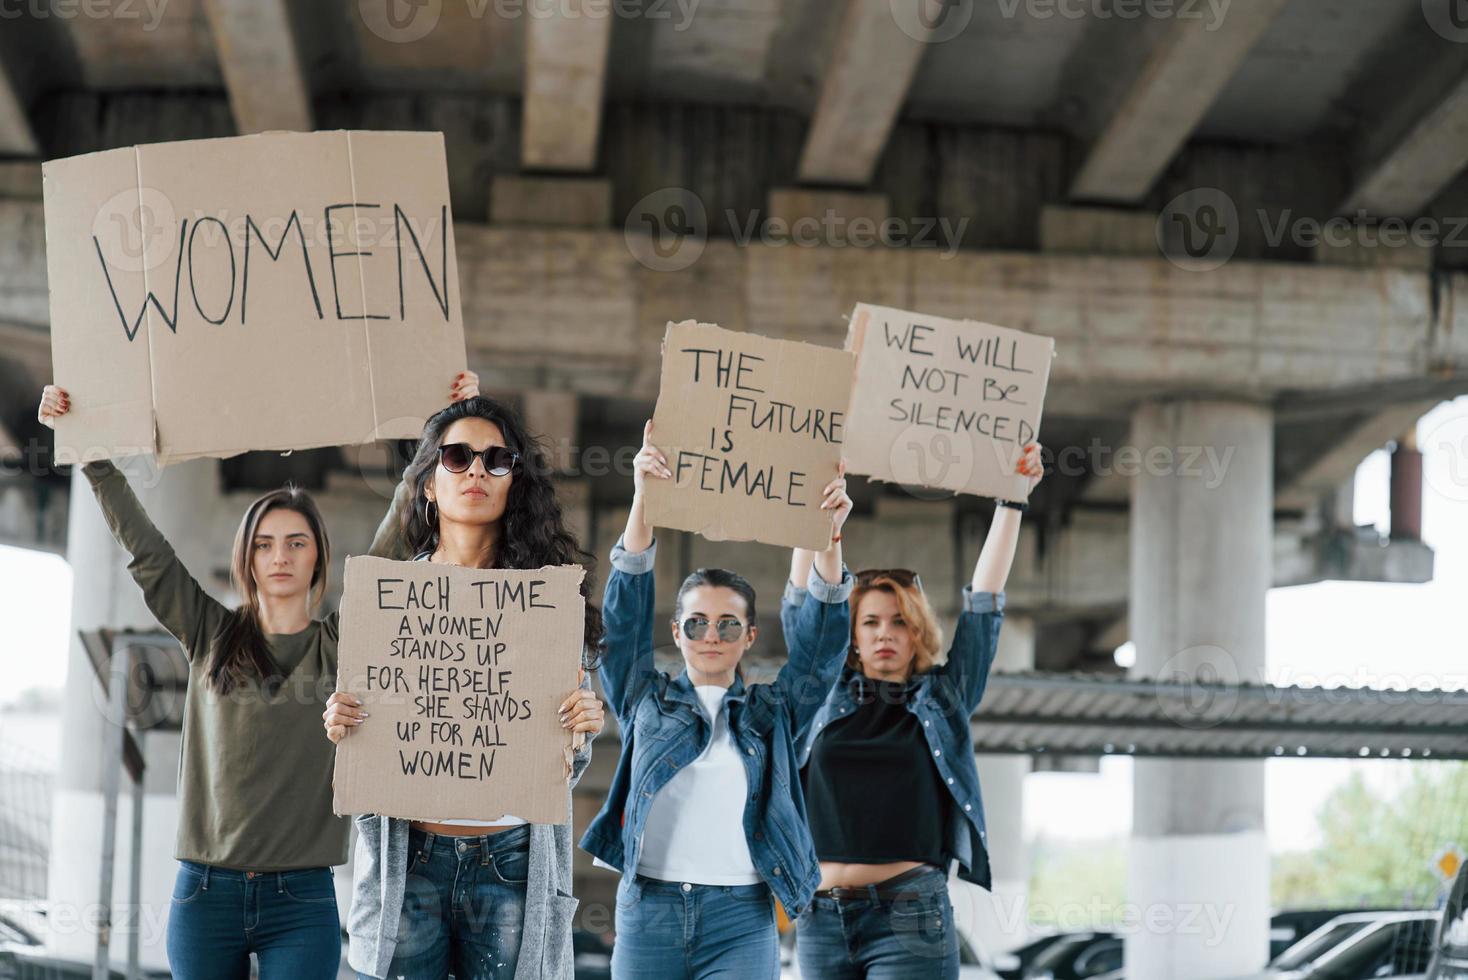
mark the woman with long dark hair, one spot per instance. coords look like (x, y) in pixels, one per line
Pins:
(891, 789)
(704, 818)
(256, 833)
(480, 899)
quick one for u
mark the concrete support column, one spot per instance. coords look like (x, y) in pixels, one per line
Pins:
(1200, 566)
(105, 595)
(1001, 918)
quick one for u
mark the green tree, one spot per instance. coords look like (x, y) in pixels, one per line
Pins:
(1377, 849)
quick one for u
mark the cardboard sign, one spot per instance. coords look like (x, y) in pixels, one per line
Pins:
(281, 291)
(752, 430)
(945, 404)
(463, 671)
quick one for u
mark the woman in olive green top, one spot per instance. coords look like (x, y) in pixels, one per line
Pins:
(256, 834)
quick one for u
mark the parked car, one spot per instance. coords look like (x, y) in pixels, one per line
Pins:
(1322, 940)
(1078, 956)
(1450, 954)
(1288, 927)
(1386, 945)
(1012, 965)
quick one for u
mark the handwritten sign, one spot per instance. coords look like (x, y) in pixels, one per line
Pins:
(463, 672)
(280, 291)
(752, 429)
(945, 404)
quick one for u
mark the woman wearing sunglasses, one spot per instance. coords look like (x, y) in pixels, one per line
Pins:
(256, 833)
(480, 899)
(704, 818)
(891, 788)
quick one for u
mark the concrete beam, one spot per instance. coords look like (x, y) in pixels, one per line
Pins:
(262, 64)
(575, 310)
(565, 75)
(1186, 71)
(1425, 153)
(17, 138)
(1338, 464)
(560, 202)
(865, 84)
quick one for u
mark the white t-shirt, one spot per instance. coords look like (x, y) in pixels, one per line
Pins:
(695, 825)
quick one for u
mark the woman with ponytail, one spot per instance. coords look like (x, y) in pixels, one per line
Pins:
(256, 833)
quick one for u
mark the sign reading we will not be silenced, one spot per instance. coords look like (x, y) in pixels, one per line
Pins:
(275, 292)
(463, 671)
(945, 404)
(752, 429)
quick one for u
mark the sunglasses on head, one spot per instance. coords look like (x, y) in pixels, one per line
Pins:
(457, 457)
(697, 627)
(904, 577)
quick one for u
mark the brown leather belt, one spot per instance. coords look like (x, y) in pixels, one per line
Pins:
(881, 891)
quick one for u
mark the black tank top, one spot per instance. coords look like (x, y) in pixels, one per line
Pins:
(872, 791)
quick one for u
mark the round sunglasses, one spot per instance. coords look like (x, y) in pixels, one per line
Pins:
(696, 628)
(457, 457)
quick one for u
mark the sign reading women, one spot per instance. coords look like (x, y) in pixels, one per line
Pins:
(945, 404)
(463, 671)
(752, 429)
(280, 291)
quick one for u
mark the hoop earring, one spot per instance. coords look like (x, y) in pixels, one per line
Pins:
(432, 522)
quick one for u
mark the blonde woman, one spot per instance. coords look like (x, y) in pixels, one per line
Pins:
(891, 789)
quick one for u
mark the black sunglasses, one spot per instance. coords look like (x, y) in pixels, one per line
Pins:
(457, 457)
(697, 627)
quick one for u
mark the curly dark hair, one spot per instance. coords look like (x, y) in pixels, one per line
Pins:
(534, 531)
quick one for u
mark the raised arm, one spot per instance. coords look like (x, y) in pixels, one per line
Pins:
(976, 639)
(172, 595)
(991, 571)
(816, 616)
(389, 541)
(627, 606)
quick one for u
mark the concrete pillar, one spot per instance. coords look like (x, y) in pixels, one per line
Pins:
(105, 595)
(1000, 919)
(1198, 869)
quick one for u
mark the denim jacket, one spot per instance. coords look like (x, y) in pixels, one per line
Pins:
(943, 699)
(664, 728)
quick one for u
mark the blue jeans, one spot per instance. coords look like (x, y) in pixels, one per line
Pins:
(463, 906)
(286, 918)
(668, 929)
(866, 938)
